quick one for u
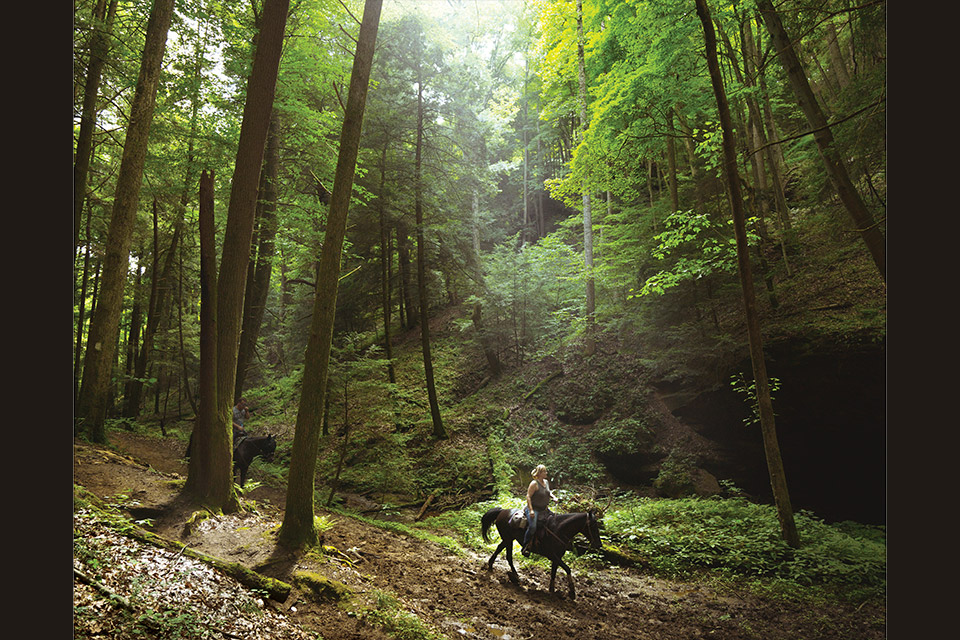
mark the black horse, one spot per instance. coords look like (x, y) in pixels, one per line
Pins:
(557, 532)
(248, 448)
(238, 434)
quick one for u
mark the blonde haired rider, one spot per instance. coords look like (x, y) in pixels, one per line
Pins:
(538, 498)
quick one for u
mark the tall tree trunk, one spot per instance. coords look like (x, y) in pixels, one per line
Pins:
(231, 281)
(672, 163)
(99, 48)
(590, 341)
(81, 305)
(438, 429)
(211, 457)
(105, 322)
(836, 169)
(385, 265)
(133, 332)
(778, 479)
(752, 71)
(183, 351)
(255, 301)
(159, 279)
(298, 526)
(406, 286)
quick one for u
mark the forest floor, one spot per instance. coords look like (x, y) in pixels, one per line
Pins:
(453, 594)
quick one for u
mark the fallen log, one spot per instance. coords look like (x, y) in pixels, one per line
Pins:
(541, 383)
(104, 590)
(426, 504)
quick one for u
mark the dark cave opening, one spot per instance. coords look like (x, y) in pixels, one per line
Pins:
(831, 428)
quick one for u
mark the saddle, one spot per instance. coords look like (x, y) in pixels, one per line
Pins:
(519, 521)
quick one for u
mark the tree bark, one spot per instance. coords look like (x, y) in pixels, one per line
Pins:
(778, 480)
(208, 462)
(406, 288)
(298, 527)
(385, 265)
(105, 322)
(438, 429)
(836, 169)
(672, 163)
(255, 301)
(590, 343)
(99, 49)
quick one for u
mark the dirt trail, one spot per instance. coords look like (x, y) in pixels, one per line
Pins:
(454, 594)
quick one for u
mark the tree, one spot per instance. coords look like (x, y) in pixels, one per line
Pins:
(258, 275)
(836, 168)
(298, 526)
(99, 48)
(105, 322)
(217, 490)
(438, 430)
(585, 187)
(778, 479)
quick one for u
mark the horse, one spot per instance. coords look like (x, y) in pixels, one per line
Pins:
(248, 448)
(557, 532)
(238, 434)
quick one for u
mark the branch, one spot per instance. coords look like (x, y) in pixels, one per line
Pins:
(347, 9)
(876, 103)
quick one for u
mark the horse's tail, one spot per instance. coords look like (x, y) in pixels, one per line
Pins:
(488, 519)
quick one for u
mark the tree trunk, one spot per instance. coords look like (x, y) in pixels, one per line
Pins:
(403, 260)
(778, 480)
(488, 351)
(836, 169)
(211, 459)
(590, 344)
(156, 307)
(105, 322)
(438, 429)
(99, 49)
(385, 265)
(298, 527)
(255, 301)
(183, 352)
(672, 164)
(231, 281)
(81, 306)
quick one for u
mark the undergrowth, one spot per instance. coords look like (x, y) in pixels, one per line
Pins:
(738, 539)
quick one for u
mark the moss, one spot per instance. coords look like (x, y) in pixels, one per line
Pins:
(321, 587)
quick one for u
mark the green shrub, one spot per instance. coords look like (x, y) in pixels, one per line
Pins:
(679, 537)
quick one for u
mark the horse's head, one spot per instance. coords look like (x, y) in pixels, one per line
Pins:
(268, 448)
(593, 528)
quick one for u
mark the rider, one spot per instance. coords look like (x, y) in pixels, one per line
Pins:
(538, 498)
(240, 412)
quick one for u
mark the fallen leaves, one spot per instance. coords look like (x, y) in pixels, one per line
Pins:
(169, 594)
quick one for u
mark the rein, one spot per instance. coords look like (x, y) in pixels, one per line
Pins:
(565, 543)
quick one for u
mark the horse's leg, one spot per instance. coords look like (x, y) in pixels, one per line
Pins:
(553, 572)
(514, 577)
(493, 558)
(563, 564)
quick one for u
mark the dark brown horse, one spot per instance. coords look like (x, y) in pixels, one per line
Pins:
(557, 532)
(248, 448)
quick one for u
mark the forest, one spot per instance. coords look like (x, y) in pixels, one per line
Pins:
(387, 257)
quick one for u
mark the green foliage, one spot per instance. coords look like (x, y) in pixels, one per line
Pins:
(388, 613)
(748, 389)
(741, 539)
(693, 247)
(616, 435)
(675, 478)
